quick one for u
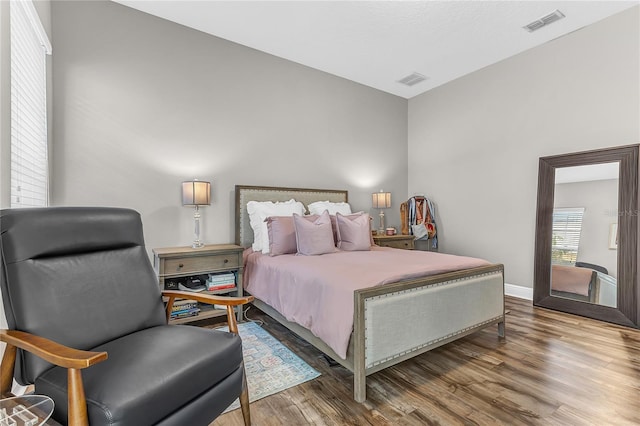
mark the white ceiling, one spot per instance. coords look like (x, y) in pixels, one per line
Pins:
(376, 43)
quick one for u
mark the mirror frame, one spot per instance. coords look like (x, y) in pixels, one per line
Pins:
(627, 311)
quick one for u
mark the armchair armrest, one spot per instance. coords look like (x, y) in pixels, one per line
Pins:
(50, 351)
(210, 299)
(72, 359)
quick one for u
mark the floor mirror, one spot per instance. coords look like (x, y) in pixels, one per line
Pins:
(586, 252)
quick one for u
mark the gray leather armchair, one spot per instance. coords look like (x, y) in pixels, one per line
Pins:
(88, 326)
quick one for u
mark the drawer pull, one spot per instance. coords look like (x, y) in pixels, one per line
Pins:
(181, 265)
(226, 261)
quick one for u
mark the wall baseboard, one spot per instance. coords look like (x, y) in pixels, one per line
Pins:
(518, 291)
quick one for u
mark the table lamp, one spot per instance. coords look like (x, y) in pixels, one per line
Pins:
(381, 200)
(196, 193)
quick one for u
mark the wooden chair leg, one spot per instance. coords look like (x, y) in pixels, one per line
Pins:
(231, 320)
(244, 399)
(8, 364)
(76, 399)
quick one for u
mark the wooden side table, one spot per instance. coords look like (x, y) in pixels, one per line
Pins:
(395, 241)
(178, 262)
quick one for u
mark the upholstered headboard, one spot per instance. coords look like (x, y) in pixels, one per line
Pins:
(244, 194)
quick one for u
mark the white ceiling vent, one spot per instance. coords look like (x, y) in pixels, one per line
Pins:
(412, 79)
(554, 16)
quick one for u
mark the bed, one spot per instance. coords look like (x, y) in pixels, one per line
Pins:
(398, 320)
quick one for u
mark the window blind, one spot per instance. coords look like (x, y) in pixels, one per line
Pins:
(565, 240)
(29, 157)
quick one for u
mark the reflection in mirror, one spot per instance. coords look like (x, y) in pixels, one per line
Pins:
(583, 253)
(600, 248)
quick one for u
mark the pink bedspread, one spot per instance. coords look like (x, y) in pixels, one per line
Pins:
(317, 291)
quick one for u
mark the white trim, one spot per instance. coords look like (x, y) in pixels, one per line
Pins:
(518, 291)
(36, 24)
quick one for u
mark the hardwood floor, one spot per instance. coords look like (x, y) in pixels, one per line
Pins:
(552, 369)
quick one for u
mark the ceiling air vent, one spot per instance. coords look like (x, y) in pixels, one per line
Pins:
(554, 16)
(412, 79)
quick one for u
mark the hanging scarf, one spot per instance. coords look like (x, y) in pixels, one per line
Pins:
(422, 210)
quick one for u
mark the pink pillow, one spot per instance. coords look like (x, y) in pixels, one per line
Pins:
(282, 234)
(313, 237)
(354, 233)
(334, 225)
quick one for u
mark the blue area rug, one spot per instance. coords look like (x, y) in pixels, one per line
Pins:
(270, 366)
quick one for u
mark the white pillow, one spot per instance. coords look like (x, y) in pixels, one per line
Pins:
(260, 210)
(320, 206)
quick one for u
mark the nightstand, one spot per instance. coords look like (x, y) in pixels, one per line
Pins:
(394, 241)
(174, 263)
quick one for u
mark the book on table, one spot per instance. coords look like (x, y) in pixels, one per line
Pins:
(185, 313)
(221, 281)
(222, 278)
(181, 305)
(220, 287)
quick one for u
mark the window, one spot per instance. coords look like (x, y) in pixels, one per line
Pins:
(29, 157)
(565, 239)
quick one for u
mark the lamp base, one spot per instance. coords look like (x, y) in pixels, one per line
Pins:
(381, 227)
(196, 218)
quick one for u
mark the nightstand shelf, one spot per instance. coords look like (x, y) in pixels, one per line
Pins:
(181, 262)
(205, 312)
(395, 241)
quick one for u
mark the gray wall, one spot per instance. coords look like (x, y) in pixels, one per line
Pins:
(142, 104)
(600, 202)
(474, 143)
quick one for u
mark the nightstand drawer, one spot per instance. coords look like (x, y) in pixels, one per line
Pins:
(401, 244)
(404, 242)
(199, 264)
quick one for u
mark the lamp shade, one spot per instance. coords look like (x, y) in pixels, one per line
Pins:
(381, 200)
(196, 193)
